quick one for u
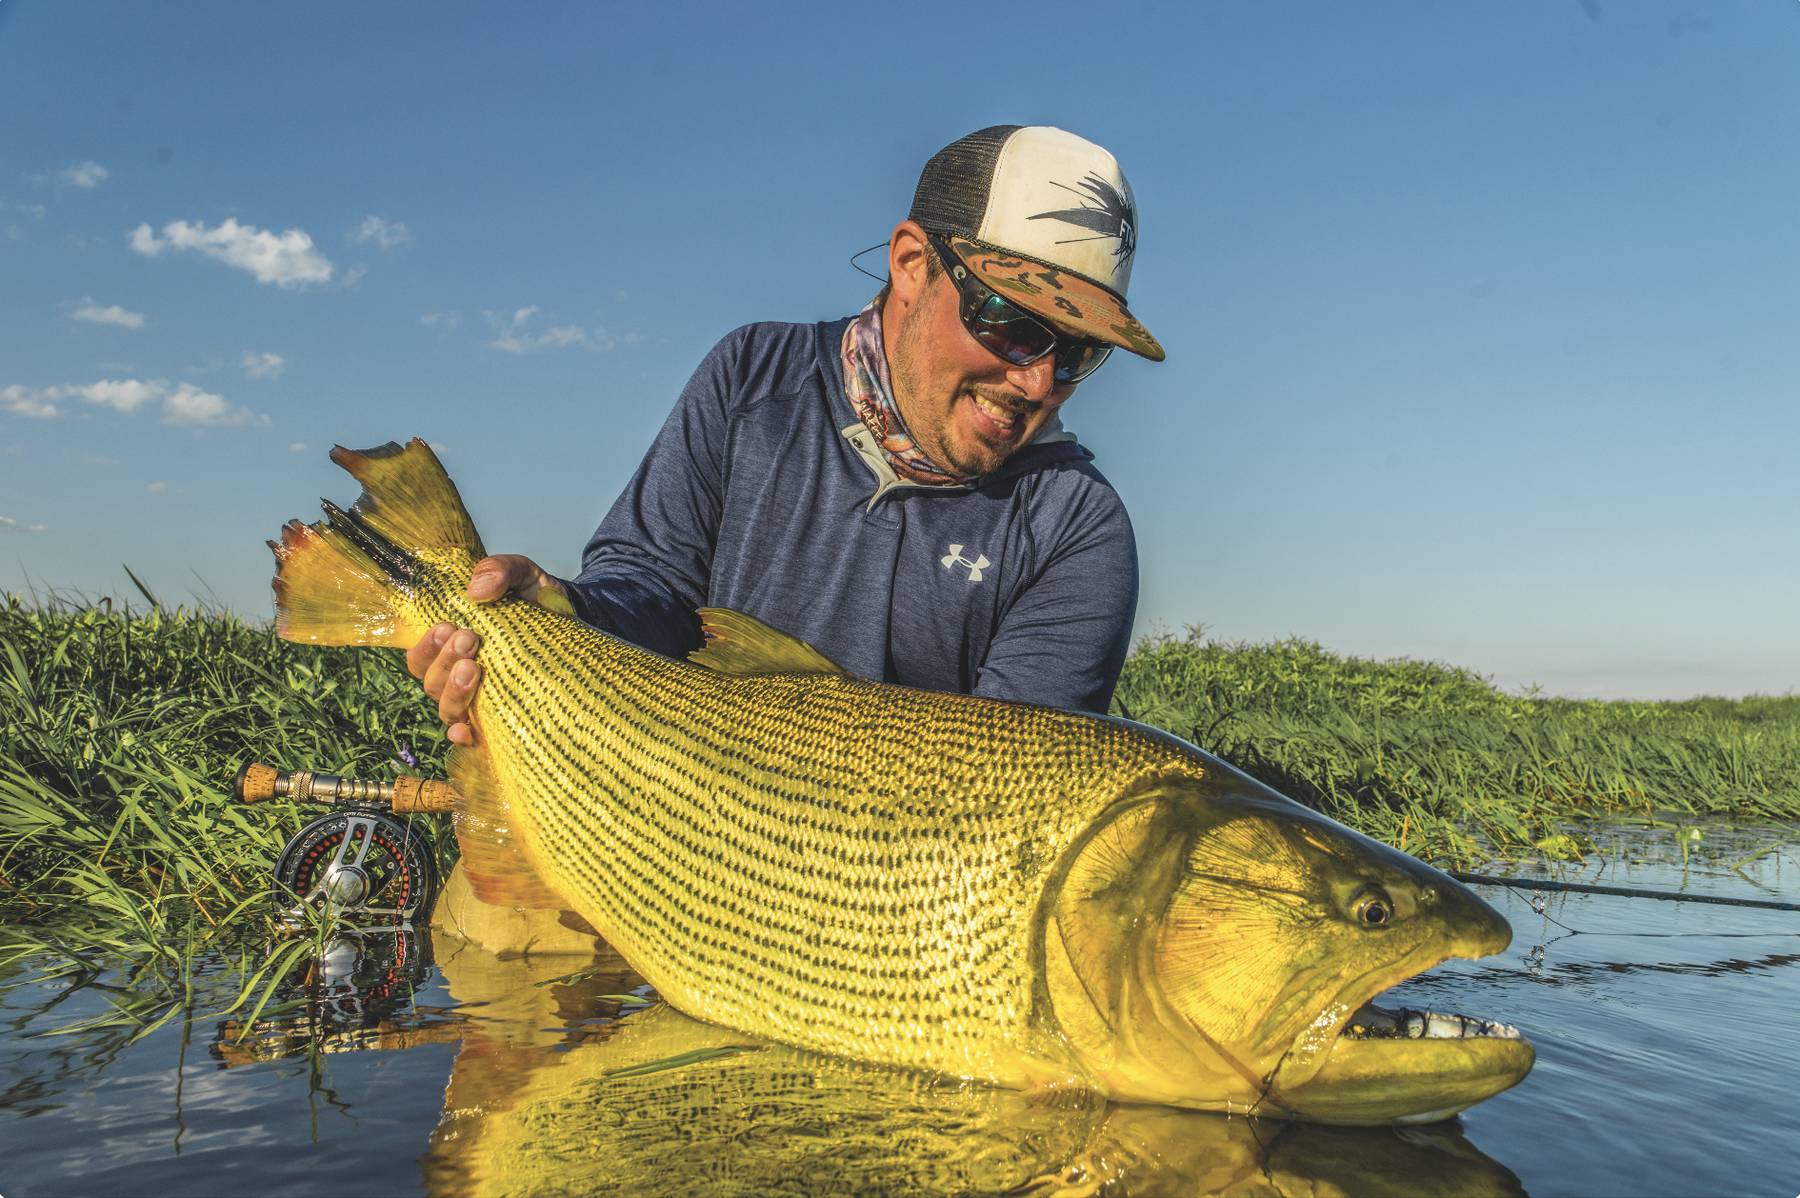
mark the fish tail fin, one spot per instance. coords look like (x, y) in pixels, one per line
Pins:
(347, 579)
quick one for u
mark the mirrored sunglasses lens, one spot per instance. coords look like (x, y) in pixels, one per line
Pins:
(1009, 332)
(1076, 361)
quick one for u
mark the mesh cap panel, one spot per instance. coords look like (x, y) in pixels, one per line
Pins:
(952, 196)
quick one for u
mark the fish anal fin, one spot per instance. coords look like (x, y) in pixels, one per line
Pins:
(408, 498)
(741, 644)
(496, 859)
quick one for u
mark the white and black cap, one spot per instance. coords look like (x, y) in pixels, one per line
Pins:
(1046, 219)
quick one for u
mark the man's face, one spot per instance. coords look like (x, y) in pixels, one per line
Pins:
(968, 409)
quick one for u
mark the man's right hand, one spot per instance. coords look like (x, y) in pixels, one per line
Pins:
(444, 660)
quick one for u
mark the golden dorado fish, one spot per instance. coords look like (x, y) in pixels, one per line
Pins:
(990, 890)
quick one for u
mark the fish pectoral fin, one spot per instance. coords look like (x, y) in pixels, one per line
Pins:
(497, 860)
(408, 498)
(741, 644)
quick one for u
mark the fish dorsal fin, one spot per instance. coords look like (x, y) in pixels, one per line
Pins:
(741, 644)
(408, 498)
(495, 858)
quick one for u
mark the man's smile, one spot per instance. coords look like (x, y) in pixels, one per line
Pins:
(995, 420)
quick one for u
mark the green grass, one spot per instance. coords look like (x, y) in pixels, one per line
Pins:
(120, 851)
(123, 730)
(1434, 759)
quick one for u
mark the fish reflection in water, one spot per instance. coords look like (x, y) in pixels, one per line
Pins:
(545, 1098)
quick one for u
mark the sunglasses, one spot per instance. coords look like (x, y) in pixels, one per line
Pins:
(1011, 333)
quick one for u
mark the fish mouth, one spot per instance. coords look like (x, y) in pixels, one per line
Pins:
(1398, 1064)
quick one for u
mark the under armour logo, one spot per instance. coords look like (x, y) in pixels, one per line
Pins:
(955, 558)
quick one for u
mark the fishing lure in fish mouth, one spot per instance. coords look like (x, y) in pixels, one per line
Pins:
(1043, 898)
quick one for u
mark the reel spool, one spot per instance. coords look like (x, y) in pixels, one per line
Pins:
(367, 865)
(362, 861)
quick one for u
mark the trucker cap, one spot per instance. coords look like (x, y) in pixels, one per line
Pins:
(1046, 219)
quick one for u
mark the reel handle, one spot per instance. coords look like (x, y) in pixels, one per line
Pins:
(405, 795)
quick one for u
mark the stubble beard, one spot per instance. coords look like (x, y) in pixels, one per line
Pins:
(909, 350)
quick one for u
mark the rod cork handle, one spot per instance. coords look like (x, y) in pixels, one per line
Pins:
(256, 783)
(426, 795)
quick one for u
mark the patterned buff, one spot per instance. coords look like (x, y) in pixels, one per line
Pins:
(866, 382)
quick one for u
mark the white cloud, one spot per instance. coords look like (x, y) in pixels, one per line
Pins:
(296, 447)
(263, 366)
(156, 488)
(515, 338)
(385, 233)
(92, 313)
(188, 404)
(286, 259)
(24, 401)
(85, 175)
(447, 320)
(123, 395)
(8, 524)
(182, 403)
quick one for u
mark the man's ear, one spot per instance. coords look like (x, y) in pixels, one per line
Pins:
(908, 253)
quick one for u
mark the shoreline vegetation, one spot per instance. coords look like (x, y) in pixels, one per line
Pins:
(123, 729)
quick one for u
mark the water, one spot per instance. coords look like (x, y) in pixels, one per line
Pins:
(1667, 1035)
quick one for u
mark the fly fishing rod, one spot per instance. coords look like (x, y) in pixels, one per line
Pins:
(1668, 896)
(364, 861)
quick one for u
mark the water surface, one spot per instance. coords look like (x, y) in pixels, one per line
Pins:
(1667, 1038)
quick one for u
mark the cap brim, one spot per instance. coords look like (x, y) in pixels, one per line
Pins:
(1060, 296)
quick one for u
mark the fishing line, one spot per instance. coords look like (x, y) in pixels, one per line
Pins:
(1679, 935)
(1669, 896)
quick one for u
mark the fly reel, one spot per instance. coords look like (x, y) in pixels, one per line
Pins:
(363, 862)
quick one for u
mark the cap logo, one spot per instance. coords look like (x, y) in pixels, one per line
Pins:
(1104, 211)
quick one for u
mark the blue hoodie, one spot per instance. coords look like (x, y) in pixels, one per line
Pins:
(765, 493)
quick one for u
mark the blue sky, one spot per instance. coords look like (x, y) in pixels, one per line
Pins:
(1475, 312)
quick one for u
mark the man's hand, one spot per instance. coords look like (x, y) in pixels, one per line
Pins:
(444, 660)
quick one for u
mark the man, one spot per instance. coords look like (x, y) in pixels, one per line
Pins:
(895, 489)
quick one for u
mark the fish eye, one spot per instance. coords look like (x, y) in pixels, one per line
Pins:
(1373, 908)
